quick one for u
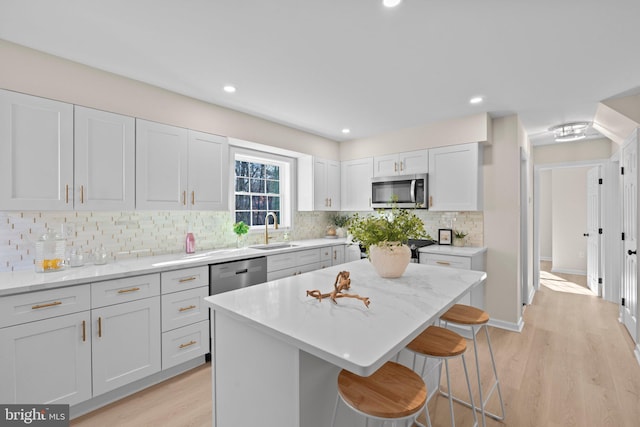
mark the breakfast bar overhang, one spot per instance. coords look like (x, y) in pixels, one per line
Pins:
(276, 352)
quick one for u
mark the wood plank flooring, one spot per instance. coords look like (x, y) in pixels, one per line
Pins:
(572, 365)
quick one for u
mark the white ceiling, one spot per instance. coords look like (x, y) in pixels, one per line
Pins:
(322, 65)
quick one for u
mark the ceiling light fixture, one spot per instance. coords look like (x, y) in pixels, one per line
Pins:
(391, 3)
(568, 132)
(476, 100)
(229, 89)
(346, 131)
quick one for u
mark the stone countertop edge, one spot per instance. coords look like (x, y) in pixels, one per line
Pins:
(17, 282)
(453, 250)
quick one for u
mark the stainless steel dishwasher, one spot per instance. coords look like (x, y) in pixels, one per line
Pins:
(237, 274)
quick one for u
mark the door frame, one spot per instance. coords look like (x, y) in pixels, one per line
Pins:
(606, 211)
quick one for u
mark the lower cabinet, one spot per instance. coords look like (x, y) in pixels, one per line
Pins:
(126, 343)
(47, 361)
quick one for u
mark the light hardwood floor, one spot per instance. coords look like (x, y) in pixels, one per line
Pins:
(572, 365)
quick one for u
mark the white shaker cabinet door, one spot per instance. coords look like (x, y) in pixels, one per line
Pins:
(356, 184)
(161, 166)
(104, 160)
(47, 361)
(36, 153)
(126, 343)
(455, 178)
(208, 171)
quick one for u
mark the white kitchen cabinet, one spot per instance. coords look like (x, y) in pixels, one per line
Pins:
(455, 178)
(293, 263)
(36, 153)
(337, 255)
(406, 163)
(318, 184)
(126, 335)
(355, 188)
(208, 171)
(180, 169)
(45, 346)
(104, 160)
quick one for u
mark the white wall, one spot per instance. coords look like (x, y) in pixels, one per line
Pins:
(544, 220)
(569, 213)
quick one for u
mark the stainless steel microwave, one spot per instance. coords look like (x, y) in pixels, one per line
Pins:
(407, 191)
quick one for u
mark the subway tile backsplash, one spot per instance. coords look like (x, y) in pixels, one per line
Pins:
(135, 234)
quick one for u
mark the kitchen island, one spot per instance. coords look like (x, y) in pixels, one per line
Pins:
(276, 352)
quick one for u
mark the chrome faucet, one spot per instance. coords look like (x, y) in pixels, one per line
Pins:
(266, 225)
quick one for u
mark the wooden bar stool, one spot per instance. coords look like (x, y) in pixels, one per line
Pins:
(392, 393)
(475, 318)
(443, 344)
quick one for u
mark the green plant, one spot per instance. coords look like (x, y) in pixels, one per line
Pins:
(339, 221)
(240, 228)
(460, 234)
(390, 227)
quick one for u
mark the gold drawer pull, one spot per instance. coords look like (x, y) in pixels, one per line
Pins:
(84, 330)
(443, 263)
(51, 304)
(187, 344)
(187, 279)
(82, 194)
(99, 327)
(193, 197)
(124, 291)
(191, 307)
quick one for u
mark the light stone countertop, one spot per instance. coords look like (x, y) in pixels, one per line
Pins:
(28, 280)
(452, 250)
(348, 334)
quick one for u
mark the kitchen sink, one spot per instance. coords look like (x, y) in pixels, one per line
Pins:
(272, 246)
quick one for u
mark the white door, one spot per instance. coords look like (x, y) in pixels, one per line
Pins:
(355, 191)
(413, 162)
(333, 185)
(320, 199)
(593, 230)
(36, 153)
(630, 230)
(385, 165)
(104, 160)
(208, 171)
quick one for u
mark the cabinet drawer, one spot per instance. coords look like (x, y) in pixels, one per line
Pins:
(127, 289)
(184, 308)
(281, 261)
(310, 256)
(22, 308)
(326, 253)
(446, 261)
(187, 278)
(183, 344)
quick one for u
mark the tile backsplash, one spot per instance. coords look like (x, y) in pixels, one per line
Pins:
(134, 234)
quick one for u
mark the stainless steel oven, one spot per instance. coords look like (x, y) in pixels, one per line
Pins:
(407, 191)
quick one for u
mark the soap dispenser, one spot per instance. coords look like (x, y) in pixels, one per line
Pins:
(190, 243)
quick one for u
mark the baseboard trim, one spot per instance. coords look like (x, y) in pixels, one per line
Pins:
(509, 326)
(569, 271)
(532, 294)
(636, 351)
(129, 389)
(546, 258)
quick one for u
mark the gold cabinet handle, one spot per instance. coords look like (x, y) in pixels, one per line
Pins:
(191, 307)
(66, 193)
(401, 166)
(193, 197)
(84, 330)
(192, 342)
(443, 263)
(124, 291)
(99, 327)
(51, 304)
(395, 166)
(430, 201)
(187, 279)
(184, 198)
(81, 194)
(335, 254)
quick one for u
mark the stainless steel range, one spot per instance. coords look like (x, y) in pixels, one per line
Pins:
(415, 244)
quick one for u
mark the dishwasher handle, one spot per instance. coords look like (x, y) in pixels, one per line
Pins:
(243, 271)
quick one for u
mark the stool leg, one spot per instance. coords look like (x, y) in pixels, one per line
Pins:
(475, 352)
(495, 373)
(446, 365)
(466, 376)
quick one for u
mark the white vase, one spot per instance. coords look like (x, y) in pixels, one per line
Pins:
(390, 260)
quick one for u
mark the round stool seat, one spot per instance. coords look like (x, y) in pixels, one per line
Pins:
(465, 315)
(438, 342)
(393, 391)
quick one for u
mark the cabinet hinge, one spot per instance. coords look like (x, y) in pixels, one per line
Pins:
(599, 280)
(622, 170)
(600, 181)
(599, 230)
(623, 302)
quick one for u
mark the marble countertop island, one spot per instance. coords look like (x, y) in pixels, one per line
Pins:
(278, 351)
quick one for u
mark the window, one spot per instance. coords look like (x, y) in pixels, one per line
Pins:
(262, 185)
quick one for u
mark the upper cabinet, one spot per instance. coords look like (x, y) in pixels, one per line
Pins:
(36, 153)
(179, 169)
(407, 163)
(455, 178)
(104, 177)
(318, 184)
(355, 189)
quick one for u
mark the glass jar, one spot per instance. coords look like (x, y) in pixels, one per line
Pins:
(50, 252)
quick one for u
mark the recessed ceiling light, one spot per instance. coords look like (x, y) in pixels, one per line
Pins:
(391, 3)
(476, 100)
(229, 89)
(346, 130)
